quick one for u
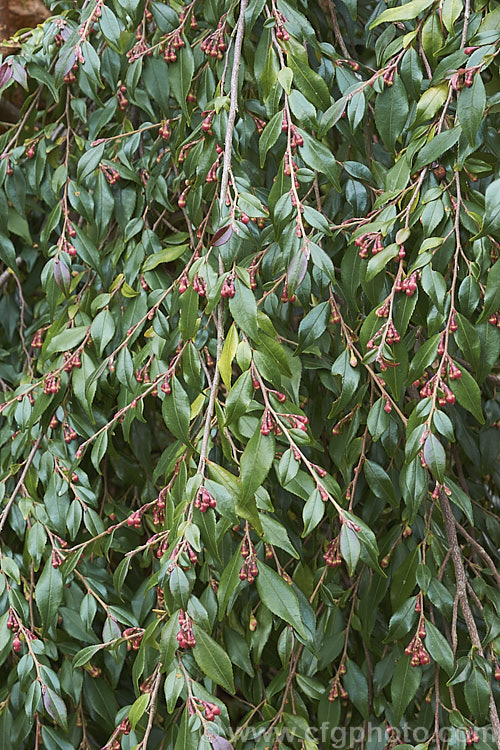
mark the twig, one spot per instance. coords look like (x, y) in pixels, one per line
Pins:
(336, 29)
(18, 486)
(466, 23)
(461, 582)
(152, 705)
(4, 276)
(233, 105)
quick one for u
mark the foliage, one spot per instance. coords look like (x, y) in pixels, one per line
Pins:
(248, 348)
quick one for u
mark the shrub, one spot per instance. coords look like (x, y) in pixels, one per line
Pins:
(249, 335)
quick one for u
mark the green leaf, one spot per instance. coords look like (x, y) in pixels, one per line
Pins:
(312, 512)
(439, 648)
(406, 12)
(309, 83)
(228, 354)
(317, 156)
(350, 547)
(491, 224)
(243, 308)
(84, 656)
(213, 660)
(99, 449)
(189, 313)
(177, 411)
(68, 339)
(269, 136)
(168, 642)
(180, 75)
(256, 461)
(437, 147)
(468, 394)
(435, 457)
(55, 707)
(404, 686)
(239, 397)
(164, 256)
(477, 694)
(312, 326)
(279, 597)
(138, 708)
(470, 108)
(379, 482)
(48, 594)
(391, 111)
(379, 261)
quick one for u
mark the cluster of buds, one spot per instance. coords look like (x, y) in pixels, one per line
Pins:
(139, 49)
(296, 139)
(252, 272)
(183, 546)
(165, 386)
(93, 671)
(185, 149)
(446, 395)
(185, 636)
(493, 320)
(332, 556)
(183, 282)
(193, 21)
(51, 384)
(122, 99)
(463, 77)
(162, 548)
(212, 172)
(259, 123)
(57, 558)
(64, 32)
(268, 424)
(67, 247)
(211, 710)
(286, 296)
(134, 638)
(37, 340)
(159, 508)
(365, 241)
(416, 649)
(214, 44)
(30, 151)
(281, 397)
(435, 495)
(281, 32)
(206, 124)
(172, 44)
(296, 421)
(204, 500)
(69, 433)
(383, 311)
(337, 690)
(70, 361)
(110, 173)
(496, 673)
(408, 285)
(134, 519)
(164, 130)
(70, 77)
(142, 374)
(228, 289)
(392, 336)
(249, 570)
(471, 736)
(388, 77)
